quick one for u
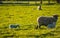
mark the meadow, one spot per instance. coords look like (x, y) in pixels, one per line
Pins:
(26, 16)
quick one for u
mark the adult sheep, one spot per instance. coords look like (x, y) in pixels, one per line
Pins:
(47, 21)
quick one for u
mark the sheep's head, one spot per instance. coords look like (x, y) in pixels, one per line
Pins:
(55, 16)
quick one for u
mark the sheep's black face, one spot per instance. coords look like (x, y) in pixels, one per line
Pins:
(55, 16)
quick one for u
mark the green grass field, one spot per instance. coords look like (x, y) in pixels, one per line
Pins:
(26, 17)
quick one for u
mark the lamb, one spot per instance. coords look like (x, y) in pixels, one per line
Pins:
(14, 26)
(47, 21)
(39, 7)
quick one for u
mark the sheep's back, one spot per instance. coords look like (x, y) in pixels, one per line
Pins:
(45, 20)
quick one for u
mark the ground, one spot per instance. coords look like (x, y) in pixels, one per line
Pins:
(26, 16)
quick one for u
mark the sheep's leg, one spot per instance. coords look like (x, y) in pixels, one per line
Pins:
(38, 26)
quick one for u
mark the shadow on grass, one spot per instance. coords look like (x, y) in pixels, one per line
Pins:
(11, 36)
(21, 4)
(36, 36)
(25, 4)
(50, 4)
(42, 35)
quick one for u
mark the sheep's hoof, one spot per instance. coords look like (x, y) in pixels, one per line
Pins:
(36, 28)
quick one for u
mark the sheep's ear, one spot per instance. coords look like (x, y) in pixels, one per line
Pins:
(56, 15)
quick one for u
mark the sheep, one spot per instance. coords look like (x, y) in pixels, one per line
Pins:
(14, 26)
(47, 21)
(39, 7)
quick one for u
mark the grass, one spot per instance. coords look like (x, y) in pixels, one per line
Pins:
(26, 17)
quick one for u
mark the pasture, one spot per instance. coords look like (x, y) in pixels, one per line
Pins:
(26, 16)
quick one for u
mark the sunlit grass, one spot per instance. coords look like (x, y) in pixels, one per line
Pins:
(26, 17)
